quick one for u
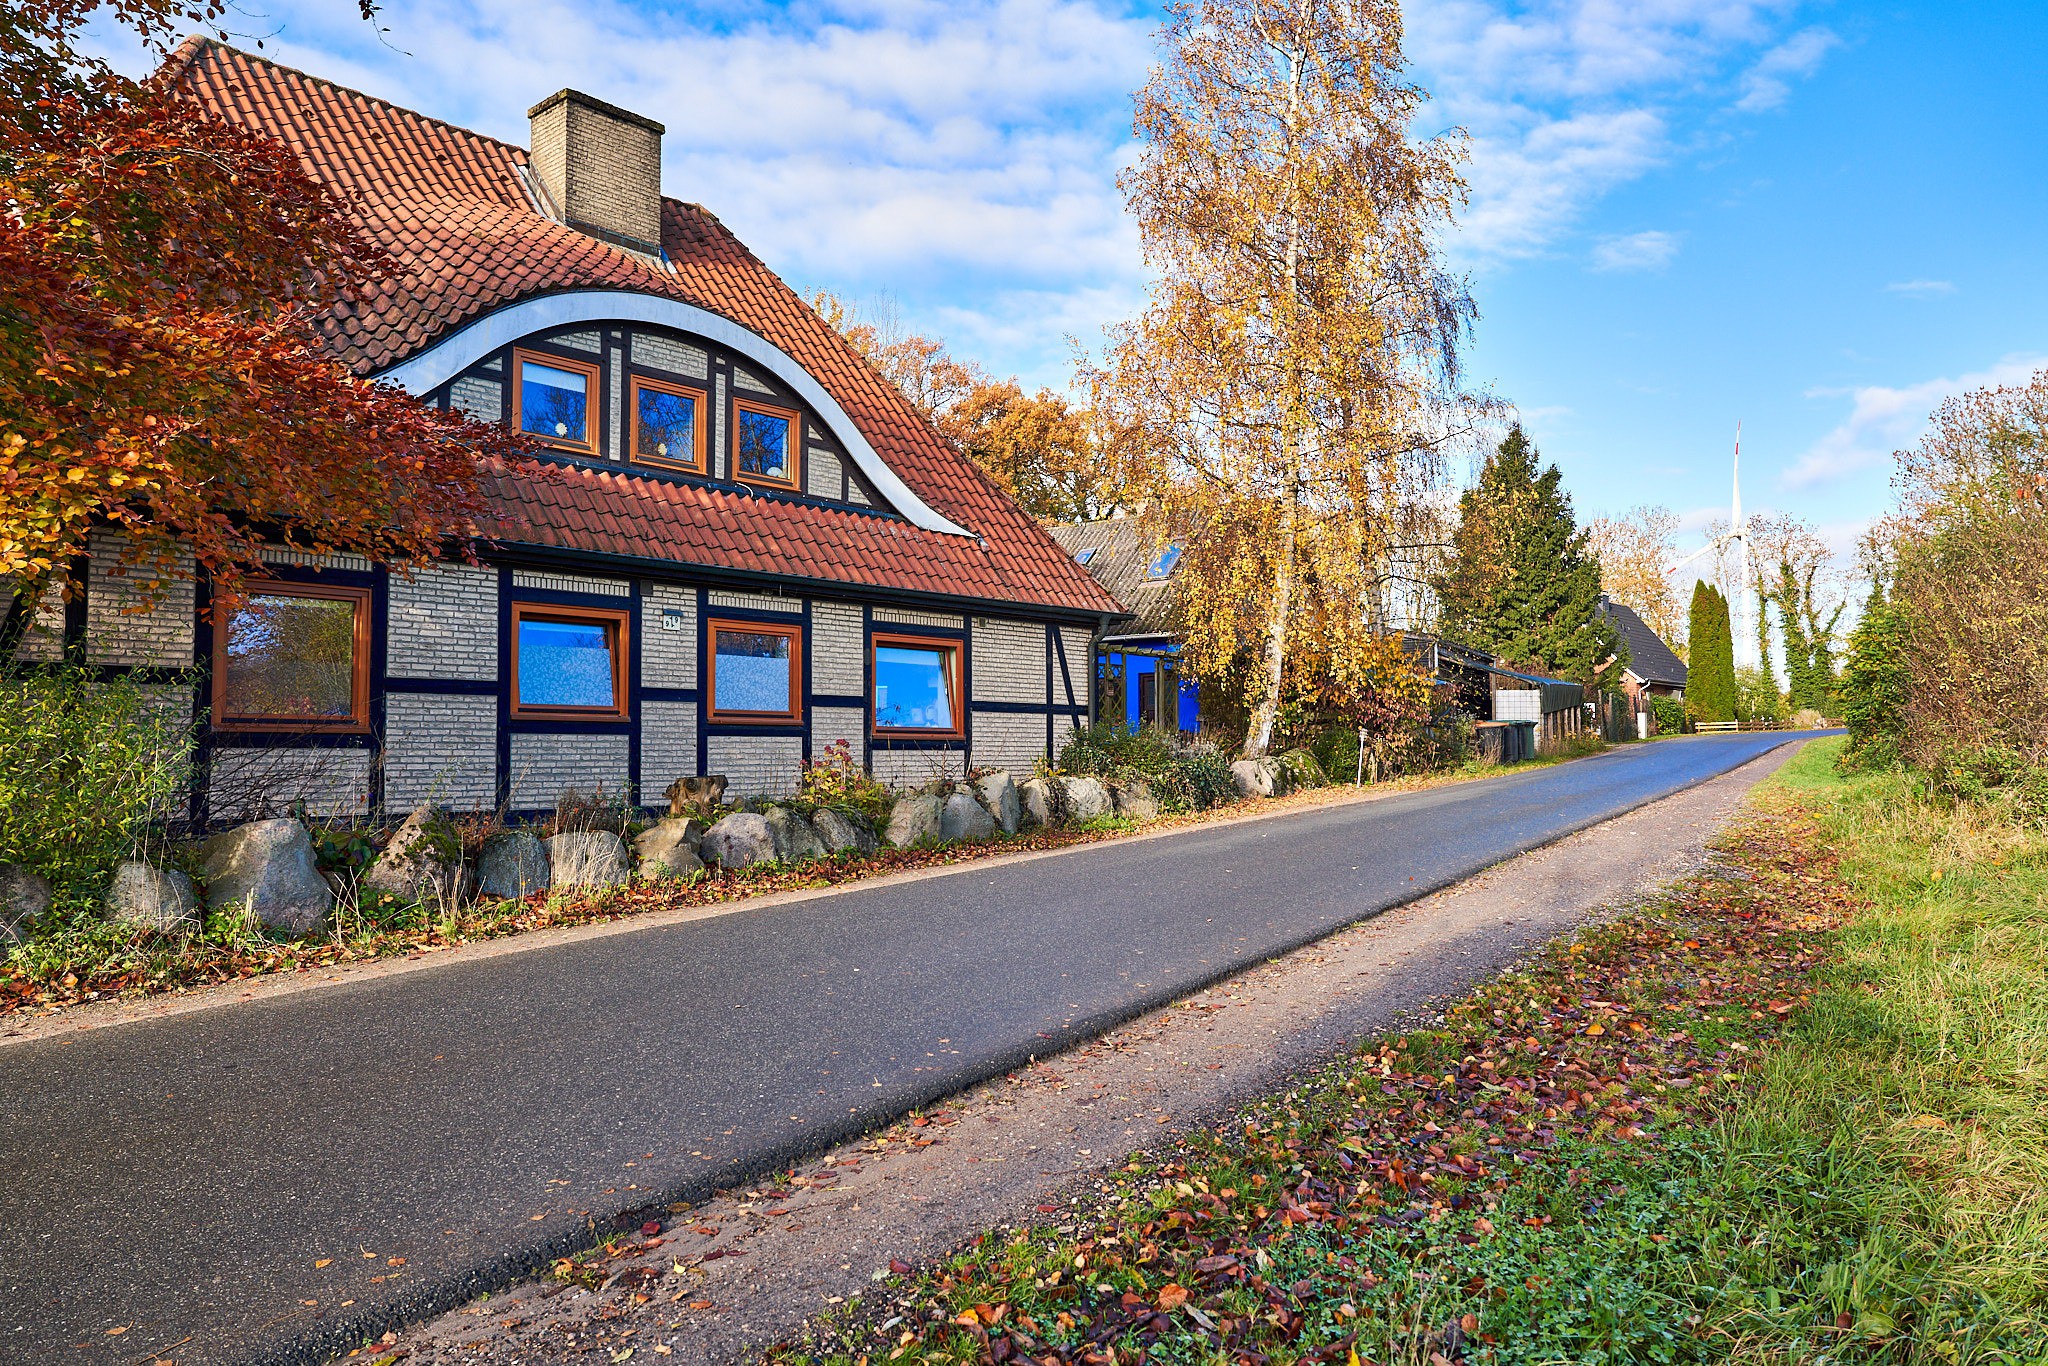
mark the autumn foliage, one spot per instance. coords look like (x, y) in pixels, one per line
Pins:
(164, 280)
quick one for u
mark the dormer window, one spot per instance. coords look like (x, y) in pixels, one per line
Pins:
(668, 425)
(765, 444)
(551, 400)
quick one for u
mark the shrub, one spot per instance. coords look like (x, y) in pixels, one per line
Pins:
(88, 769)
(1110, 749)
(1670, 714)
(1196, 779)
(836, 779)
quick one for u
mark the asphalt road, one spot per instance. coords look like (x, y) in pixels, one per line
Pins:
(184, 1179)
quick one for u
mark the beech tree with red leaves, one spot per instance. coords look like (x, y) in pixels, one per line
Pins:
(163, 278)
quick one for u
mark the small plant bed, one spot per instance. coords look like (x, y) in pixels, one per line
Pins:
(98, 960)
(1697, 1134)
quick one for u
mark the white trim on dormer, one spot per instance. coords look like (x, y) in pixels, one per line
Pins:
(455, 353)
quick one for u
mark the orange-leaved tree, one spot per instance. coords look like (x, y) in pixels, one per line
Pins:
(164, 277)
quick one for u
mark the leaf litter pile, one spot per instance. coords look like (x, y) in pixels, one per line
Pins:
(1529, 1179)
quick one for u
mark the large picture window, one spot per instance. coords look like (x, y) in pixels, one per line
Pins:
(765, 441)
(668, 425)
(756, 672)
(554, 399)
(293, 657)
(917, 686)
(569, 662)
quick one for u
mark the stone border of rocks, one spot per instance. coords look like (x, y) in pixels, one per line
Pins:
(269, 870)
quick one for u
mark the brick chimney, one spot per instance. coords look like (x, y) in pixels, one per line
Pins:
(599, 167)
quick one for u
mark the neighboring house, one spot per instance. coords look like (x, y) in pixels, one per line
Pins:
(1136, 666)
(751, 546)
(1652, 669)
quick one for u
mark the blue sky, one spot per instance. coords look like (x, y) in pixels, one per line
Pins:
(1818, 218)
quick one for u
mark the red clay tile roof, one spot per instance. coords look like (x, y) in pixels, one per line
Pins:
(449, 207)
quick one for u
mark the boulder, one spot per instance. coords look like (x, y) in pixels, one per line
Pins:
(1134, 801)
(423, 861)
(741, 840)
(696, 796)
(1254, 777)
(1040, 798)
(914, 821)
(512, 865)
(668, 848)
(999, 795)
(1083, 799)
(1283, 782)
(587, 858)
(267, 868)
(1300, 769)
(153, 898)
(24, 899)
(963, 818)
(842, 833)
(795, 841)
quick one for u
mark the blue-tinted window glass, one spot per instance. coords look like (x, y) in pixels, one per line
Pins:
(1163, 564)
(751, 672)
(764, 445)
(565, 664)
(1085, 556)
(554, 403)
(913, 688)
(667, 426)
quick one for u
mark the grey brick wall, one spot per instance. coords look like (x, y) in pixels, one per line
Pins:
(43, 643)
(668, 644)
(821, 473)
(1008, 739)
(720, 458)
(615, 439)
(743, 378)
(1061, 729)
(1080, 667)
(444, 624)
(663, 353)
(545, 766)
(907, 768)
(306, 559)
(482, 399)
(571, 583)
(838, 649)
(440, 748)
(838, 723)
(755, 765)
(1009, 662)
(114, 633)
(248, 784)
(900, 616)
(668, 746)
(759, 602)
(578, 341)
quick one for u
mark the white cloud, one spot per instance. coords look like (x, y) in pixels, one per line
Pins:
(1882, 420)
(1641, 251)
(1566, 99)
(1768, 84)
(1922, 289)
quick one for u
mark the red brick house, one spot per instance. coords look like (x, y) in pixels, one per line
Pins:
(753, 546)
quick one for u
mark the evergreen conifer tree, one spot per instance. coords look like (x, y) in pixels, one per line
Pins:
(1710, 672)
(1523, 582)
(1875, 683)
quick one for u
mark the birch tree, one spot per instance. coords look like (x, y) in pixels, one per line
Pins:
(1291, 386)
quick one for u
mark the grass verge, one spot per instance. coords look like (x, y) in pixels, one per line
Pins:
(1792, 1114)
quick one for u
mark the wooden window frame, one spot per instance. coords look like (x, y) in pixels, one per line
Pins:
(956, 679)
(795, 419)
(793, 633)
(593, 398)
(700, 465)
(358, 722)
(618, 621)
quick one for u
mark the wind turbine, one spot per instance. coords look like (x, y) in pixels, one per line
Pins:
(1737, 536)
